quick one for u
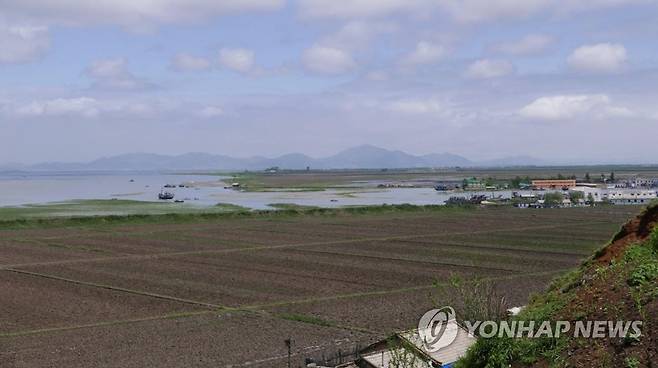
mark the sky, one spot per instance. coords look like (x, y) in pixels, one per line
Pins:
(568, 81)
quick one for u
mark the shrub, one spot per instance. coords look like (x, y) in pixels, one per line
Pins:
(653, 240)
(631, 362)
(643, 273)
(477, 300)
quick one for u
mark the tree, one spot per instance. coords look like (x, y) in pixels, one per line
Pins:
(612, 176)
(588, 178)
(553, 199)
(474, 300)
(590, 199)
(576, 196)
(516, 182)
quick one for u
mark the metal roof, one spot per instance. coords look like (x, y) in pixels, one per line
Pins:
(442, 357)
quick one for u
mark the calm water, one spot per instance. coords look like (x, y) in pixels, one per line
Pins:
(22, 189)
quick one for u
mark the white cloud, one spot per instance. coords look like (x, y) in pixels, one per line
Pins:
(114, 74)
(563, 107)
(107, 68)
(362, 8)
(489, 68)
(472, 11)
(528, 45)
(211, 112)
(426, 107)
(418, 106)
(328, 60)
(185, 62)
(133, 14)
(239, 60)
(21, 44)
(599, 58)
(425, 53)
(357, 34)
(334, 54)
(84, 107)
(468, 11)
(80, 106)
(486, 10)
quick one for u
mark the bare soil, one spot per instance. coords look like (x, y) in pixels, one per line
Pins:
(609, 297)
(130, 295)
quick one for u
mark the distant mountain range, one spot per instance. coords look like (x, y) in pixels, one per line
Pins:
(361, 157)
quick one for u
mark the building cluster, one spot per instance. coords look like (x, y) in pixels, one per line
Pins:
(637, 191)
(542, 203)
(636, 182)
(614, 195)
(561, 192)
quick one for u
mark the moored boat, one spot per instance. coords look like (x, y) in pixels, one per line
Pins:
(165, 195)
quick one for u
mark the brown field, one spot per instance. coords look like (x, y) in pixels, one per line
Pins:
(227, 291)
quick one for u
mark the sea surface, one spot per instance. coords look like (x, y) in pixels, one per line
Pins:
(19, 189)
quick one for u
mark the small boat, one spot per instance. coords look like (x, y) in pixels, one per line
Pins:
(165, 195)
(170, 186)
(179, 201)
(461, 201)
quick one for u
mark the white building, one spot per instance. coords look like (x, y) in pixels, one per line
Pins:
(636, 196)
(637, 182)
(646, 182)
(619, 195)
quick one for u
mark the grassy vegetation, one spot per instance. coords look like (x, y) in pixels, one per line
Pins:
(502, 351)
(291, 206)
(261, 182)
(107, 208)
(46, 219)
(633, 276)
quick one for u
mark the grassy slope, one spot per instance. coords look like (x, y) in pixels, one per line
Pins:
(620, 282)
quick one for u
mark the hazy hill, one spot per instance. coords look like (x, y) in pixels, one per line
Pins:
(366, 157)
(371, 157)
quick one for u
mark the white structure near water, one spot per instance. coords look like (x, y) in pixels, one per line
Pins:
(619, 195)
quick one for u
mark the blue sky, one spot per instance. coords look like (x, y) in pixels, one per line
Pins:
(567, 81)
